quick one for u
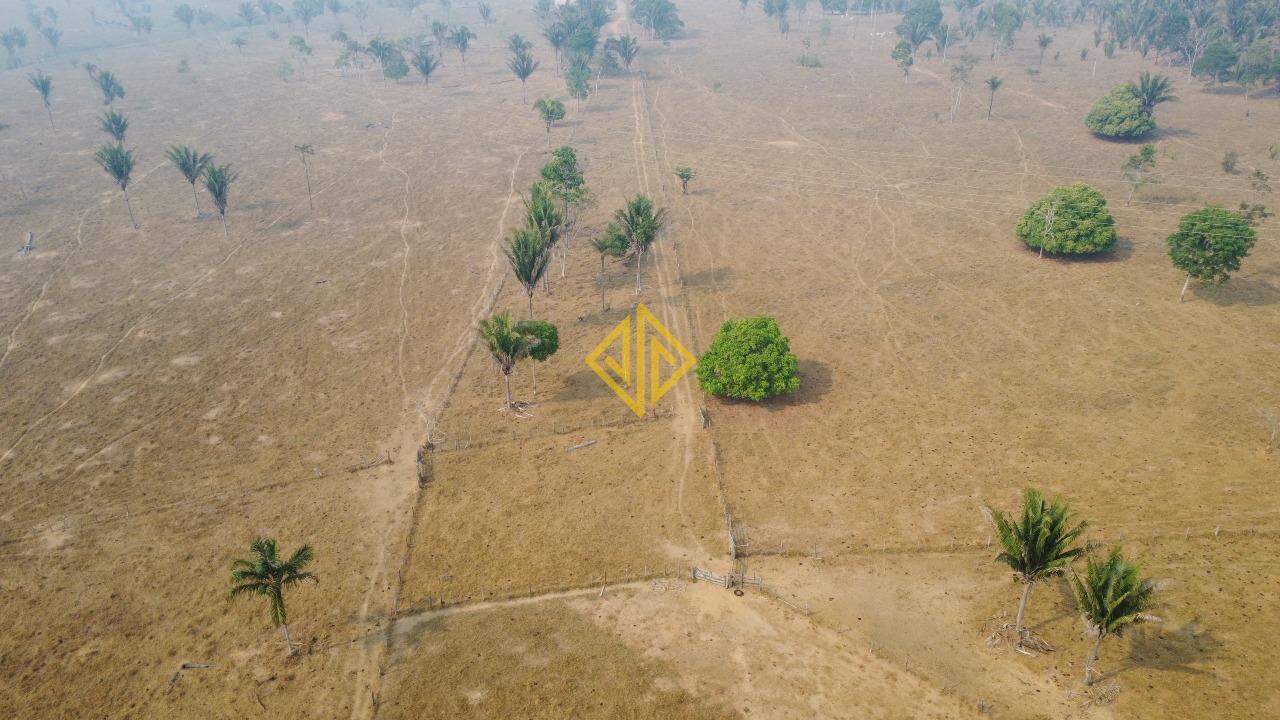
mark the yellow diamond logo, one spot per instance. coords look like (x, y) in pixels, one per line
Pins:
(645, 349)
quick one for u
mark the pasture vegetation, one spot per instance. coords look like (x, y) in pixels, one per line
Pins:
(325, 373)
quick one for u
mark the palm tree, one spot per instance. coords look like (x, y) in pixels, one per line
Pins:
(551, 110)
(217, 180)
(110, 86)
(506, 344)
(611, 244)
(639, 224)
(1037, 546)
(115, 125)
(43, 85)
(265, 575)
(425, 63)
(1152, 90)
(1112, 595)
(305, 151)
(522, 65)
(118, 163)
(684, 173)
(192, 165)
(993, 84)
(1044, 41)
(529, 256)
(461, 38)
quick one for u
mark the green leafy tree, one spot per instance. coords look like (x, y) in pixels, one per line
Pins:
(611, 243)
(517, 44)
(749, 358)
(115, 125)
(1209, 245)
(522, 66)
(1138, 168)
(306, 152)
(306, 11)
(51, 35)
(528, 254)
(1119, 115)
(247, 12)
(1216, 62)
(544, 338)
(43, 85)
(119, 164)
(13, 39)
(993, 84)
(1036, 546)
(191, 164)
(461, 38)
(1112, 595)
(1069, 220)
(185, 14)
(904, 57)
(639, 222)
(684, 173)
(264, 574)
(217, 180)
(111, 88)
(551, 110)
(507, 345)
(626, 47)
(425, 62)
(395, 67)
(239, 42)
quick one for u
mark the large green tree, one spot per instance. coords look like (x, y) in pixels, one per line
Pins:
(749, 359)
(266, 575)
(1037, 545)
(1069, 220)
(1120, 115)
(1209, 245)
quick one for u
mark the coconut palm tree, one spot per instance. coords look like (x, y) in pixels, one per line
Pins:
(639, 224)
(109, 85)
(1044, 41)
(522, 66)
(217, 180)
(684, 173)
(529, 256)
(1152, 90)
(461, 38)
(1036, 546)
(545, 217)
(115, 125)
(627, 47)
(1112, 595)
(612, 244)
(507, 345)
(264, 574)
(306, 152)
(425, 63)
(43, 85)
(993, 84)
(118, 163)
(192, 165)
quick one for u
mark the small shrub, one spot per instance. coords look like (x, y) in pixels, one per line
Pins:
(749, 358)
(1229, 161)
(809, 61)
(1077, 221)
(1119, 114)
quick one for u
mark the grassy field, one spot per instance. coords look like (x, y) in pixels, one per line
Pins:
(171, 393)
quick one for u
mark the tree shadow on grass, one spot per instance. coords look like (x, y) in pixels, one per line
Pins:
(815, 383)
(711, 277)
(1182, 649)
(1251, 292)
(1122, 251)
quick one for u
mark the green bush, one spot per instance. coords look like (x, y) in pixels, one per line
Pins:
(1077, 220)
(1119, 114)
(546, 335)
(749, 358)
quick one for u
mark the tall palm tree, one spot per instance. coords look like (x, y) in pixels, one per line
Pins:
(1112, 595)
(551, 110)
(115, 125)
(1038, 545)
(306, 152)
(192, 165)
(545, 217)
(267, 576)
(118, 163)
(461, 38)
(425, 63)
(109, 85)
(612, 244)
(217, 180)
(529, 257)
(522, 66)
(1044, 41)
(639, 224)
(506, 344)
(1152, 90)
(993, 84)
(627, 47)
(43, 85)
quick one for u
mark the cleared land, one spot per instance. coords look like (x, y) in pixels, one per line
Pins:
(169, 393)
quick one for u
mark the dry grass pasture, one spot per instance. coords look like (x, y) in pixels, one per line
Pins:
(169, 393)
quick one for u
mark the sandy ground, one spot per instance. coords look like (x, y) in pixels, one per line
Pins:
(170, 392)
